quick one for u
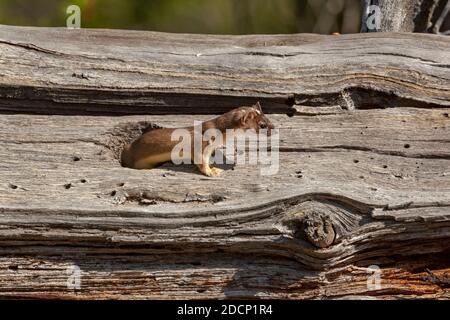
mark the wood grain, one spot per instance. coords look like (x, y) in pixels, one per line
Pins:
(62, 71)
(68, 191)
(363, 180)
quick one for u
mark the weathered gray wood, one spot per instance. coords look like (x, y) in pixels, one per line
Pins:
(134, 72)
(392, 201)
(206, 276)
(364, 148)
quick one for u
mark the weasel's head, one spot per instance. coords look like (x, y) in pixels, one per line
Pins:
(254, 118)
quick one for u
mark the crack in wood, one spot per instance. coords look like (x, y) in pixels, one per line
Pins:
(210, 83)
(363, 98)
(147, 197)
(365, 149)
(351, 191)
(442, 281)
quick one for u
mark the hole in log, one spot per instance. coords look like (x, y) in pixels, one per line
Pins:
(116, 139)
(12, 186)
(68, 186)
(13, 267)
(76, 158)
(121, 135)
(83, 180)
(406, 146)
(356, 161)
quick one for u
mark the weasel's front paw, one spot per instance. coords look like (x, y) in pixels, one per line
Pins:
(215, 172)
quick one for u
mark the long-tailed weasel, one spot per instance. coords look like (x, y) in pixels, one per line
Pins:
(155, 147)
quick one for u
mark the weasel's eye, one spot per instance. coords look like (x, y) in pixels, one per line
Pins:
(263, 125)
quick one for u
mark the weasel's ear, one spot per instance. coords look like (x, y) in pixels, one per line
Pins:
(247, 116)
(258, 106)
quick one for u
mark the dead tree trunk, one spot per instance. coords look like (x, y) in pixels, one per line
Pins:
(363, 185)
(429, 16)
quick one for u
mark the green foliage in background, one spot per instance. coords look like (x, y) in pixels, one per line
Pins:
(192, 16)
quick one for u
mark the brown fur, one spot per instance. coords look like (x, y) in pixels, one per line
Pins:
(154, 147)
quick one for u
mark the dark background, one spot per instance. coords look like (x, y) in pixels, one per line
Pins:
(192, 16)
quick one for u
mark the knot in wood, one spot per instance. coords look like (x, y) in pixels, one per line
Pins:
(318, 229)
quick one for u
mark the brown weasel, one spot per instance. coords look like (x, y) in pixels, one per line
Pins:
(155, 147)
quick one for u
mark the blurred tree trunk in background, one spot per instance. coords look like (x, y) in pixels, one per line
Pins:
(194, 16)
(328, 16)
(430, 16)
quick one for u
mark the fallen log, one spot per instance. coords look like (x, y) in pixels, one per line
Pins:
(360, 206)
